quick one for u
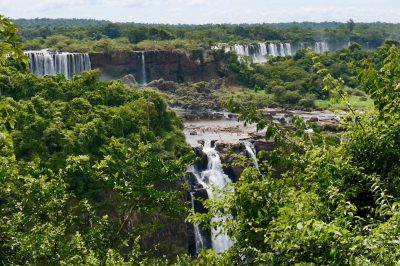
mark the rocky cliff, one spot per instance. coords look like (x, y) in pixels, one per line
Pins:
(173, 65)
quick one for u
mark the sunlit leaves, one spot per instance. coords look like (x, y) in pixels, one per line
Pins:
(79, 159)
(337, 202)
(11, 52)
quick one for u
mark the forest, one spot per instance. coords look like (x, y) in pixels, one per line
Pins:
(91, 35)
(94, 172)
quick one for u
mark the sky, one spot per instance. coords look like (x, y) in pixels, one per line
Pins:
(206, 11)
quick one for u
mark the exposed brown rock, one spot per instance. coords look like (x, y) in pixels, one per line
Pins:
(173, 65)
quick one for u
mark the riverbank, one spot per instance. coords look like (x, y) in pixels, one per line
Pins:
(226, 127)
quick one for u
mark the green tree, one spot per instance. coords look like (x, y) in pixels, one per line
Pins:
(80, 159)
(10, 47)
(351, 25)
(337, 202)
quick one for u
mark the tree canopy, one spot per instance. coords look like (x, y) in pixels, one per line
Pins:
(337, 202)
(80, 159)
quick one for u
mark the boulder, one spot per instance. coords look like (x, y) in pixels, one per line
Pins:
(164, 86)
(129, 80)
(234, 172)
(330, 125)
(232, 116)
(202, 159)
(213, 142)
(262, 145)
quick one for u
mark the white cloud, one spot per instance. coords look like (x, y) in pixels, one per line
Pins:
(205, 11)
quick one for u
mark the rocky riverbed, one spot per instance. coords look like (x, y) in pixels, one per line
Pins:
(235, 145)
(225, 127)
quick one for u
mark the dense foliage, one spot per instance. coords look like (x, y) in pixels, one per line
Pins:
(89, 35)
(87, 167)
(10, 45)
(293, 81)
(288, 81)
(338, 202)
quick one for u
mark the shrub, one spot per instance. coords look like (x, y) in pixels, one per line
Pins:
(307, 103)
(358, 92)
(290, 97)
(278, 92)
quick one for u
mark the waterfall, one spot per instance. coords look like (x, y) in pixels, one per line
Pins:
(212, 179)
(288, 48)
(264, 50)
(51, 63)
(258, 52)
(252, 152)
(325, 47)
(271, 49)
(199, 238)
(317, 47)
(282, 50)
(143, 69)
(214, 176)
(240, 50)
(321, 47)
(275, 46)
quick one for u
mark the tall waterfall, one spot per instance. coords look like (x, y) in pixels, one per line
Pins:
(143, 68)
(51, 63)
(214, 176)
(288, 49)
(272, 49)
(321, 47)
(212, 179)
(260, 52)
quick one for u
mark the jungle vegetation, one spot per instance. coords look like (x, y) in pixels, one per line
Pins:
(79, 157)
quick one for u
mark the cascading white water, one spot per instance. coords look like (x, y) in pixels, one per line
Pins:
(252, 152)
(263, 47)
(214, 176)
(317, 48)
(288, 48)
(325, 47)
(51, 63)
(143, 69)
(272, 50)
(213, 179)
(321, 47)
(282, 50)
(259, 52)
(199, 238)
(276, 49)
